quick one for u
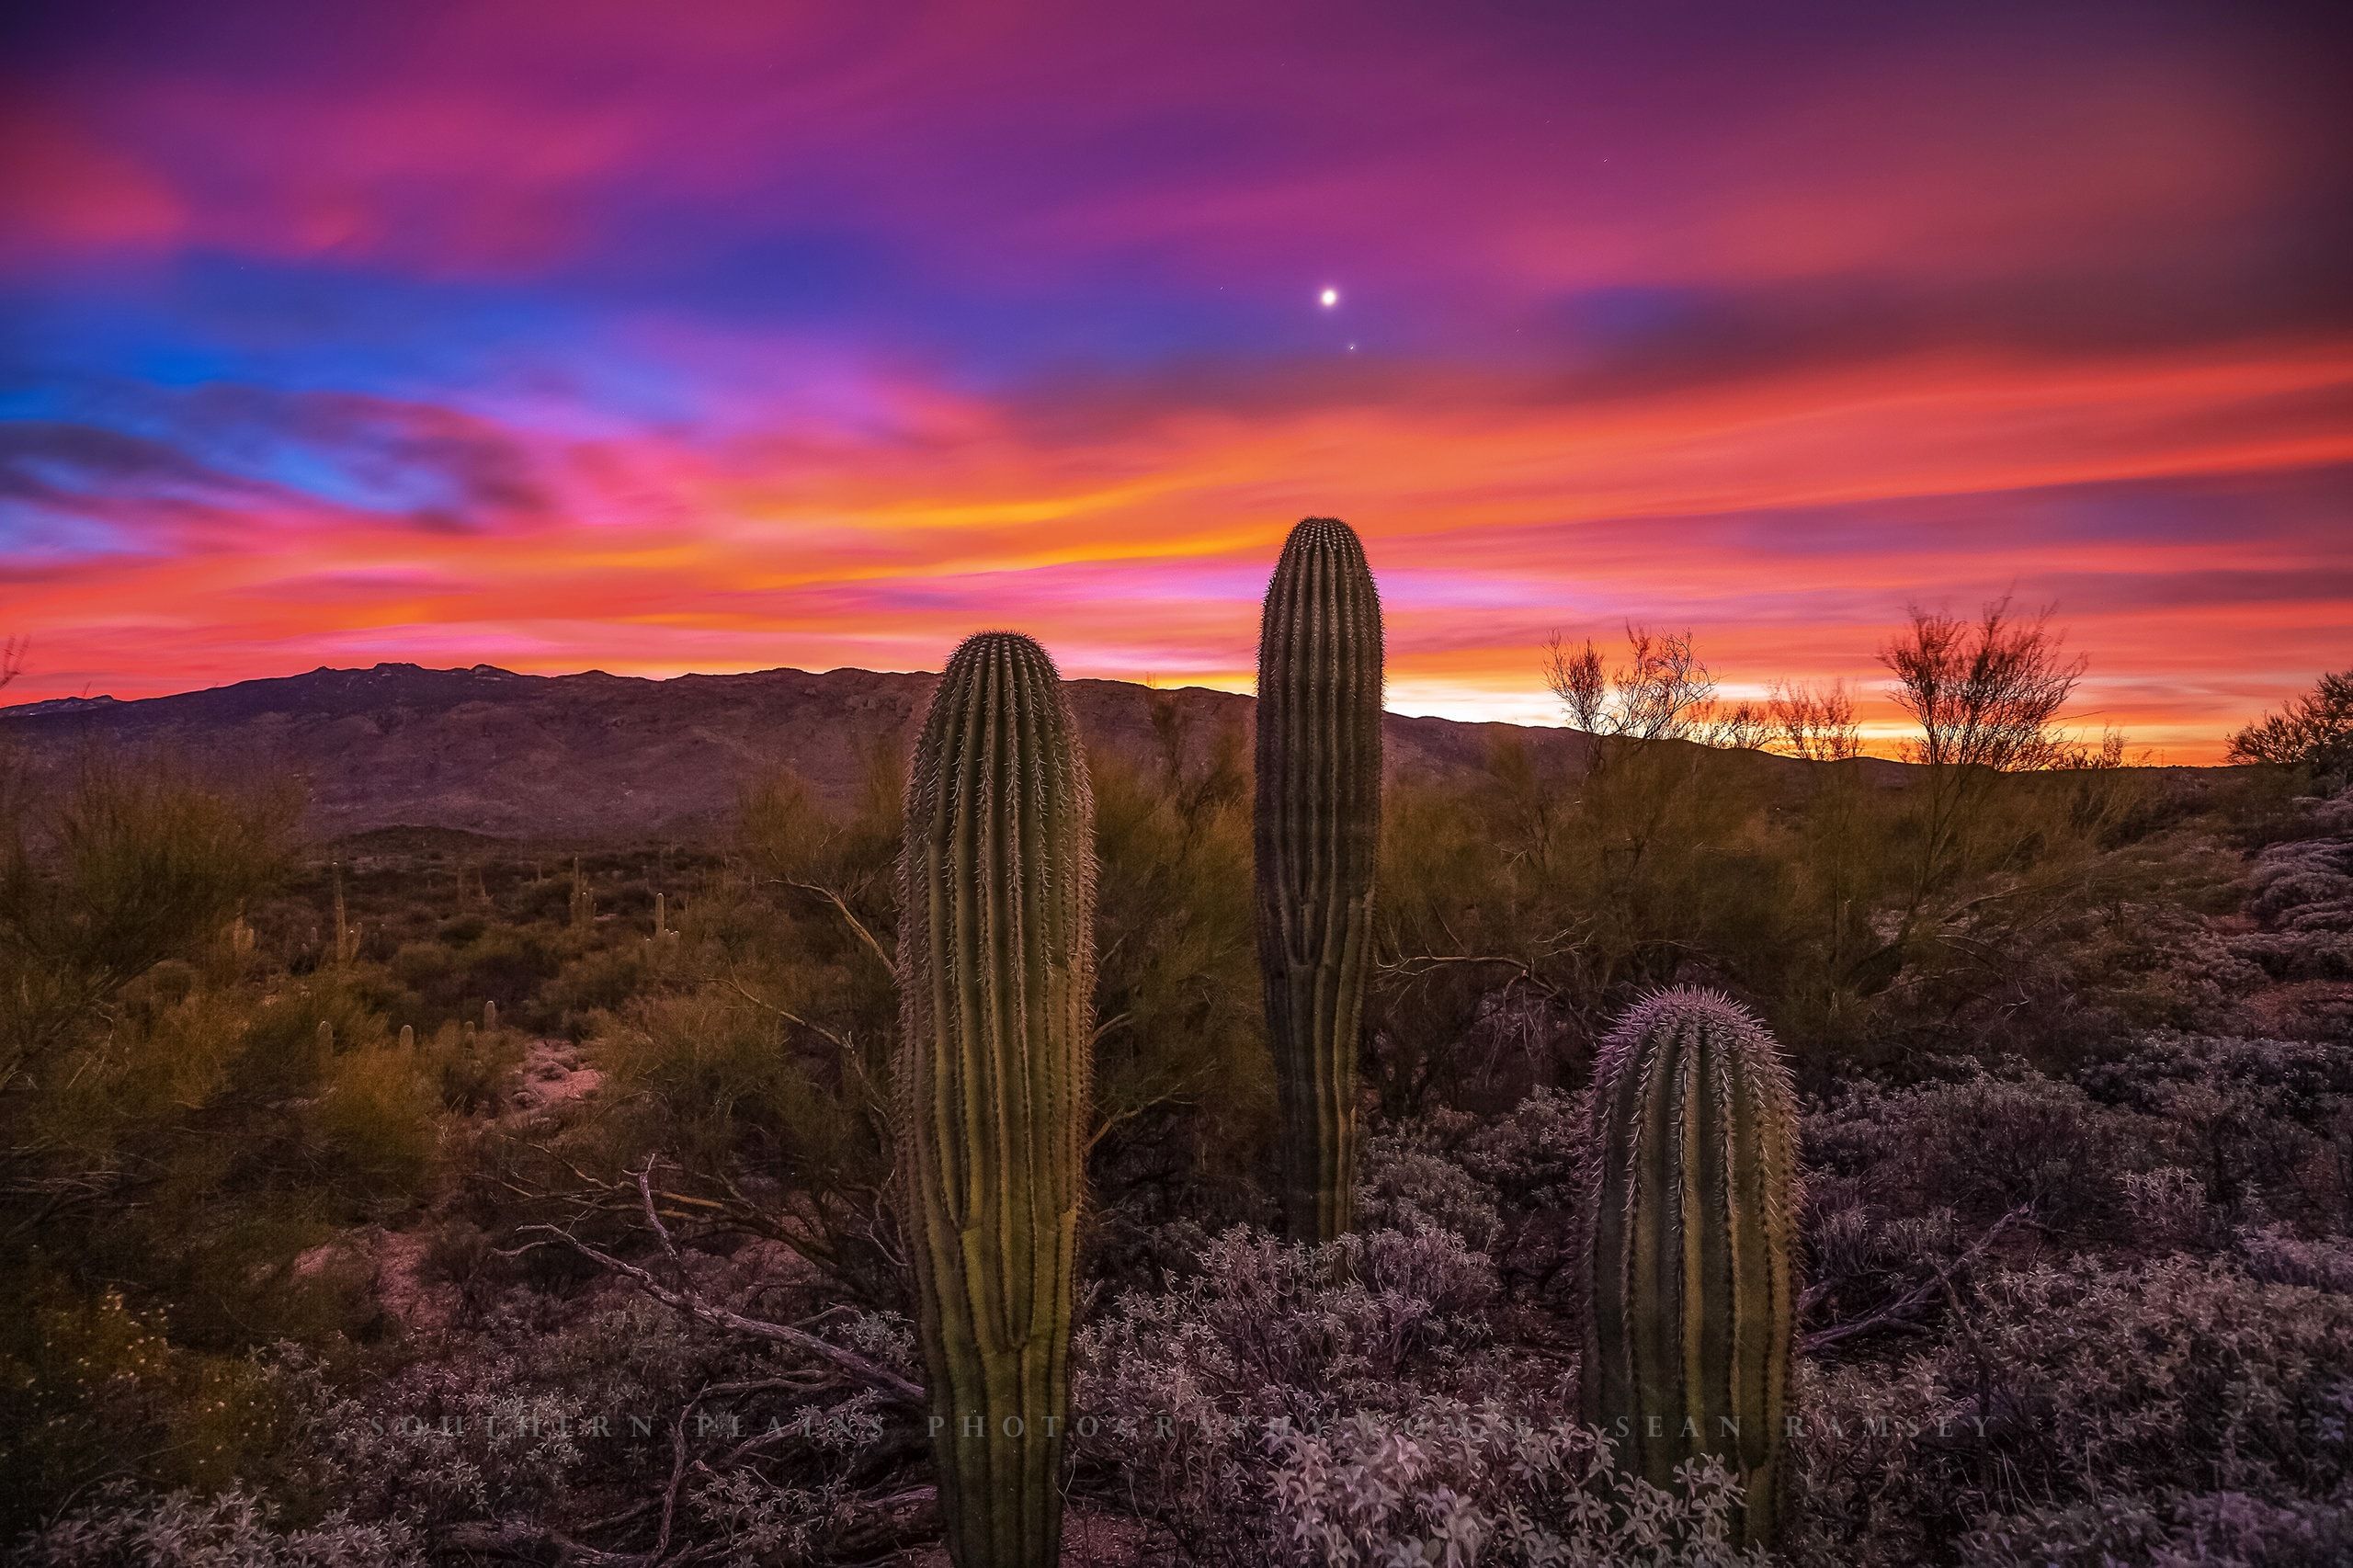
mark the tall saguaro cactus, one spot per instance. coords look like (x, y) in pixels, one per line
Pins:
(1690, 1287)
(996, 979)
(1318, 829)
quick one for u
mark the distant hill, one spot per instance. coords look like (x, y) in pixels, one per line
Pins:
(596, 756)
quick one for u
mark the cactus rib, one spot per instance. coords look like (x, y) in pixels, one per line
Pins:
(1317, 834)
(996, 960)
(1689, 1254)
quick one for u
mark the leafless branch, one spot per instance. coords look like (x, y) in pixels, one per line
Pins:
(857, 926)
(1423, 963)
(688, 1302)
(1897, 1314)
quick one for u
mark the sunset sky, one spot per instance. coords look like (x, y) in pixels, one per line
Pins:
(699, 336)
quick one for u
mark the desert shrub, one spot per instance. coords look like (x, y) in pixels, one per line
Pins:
(2086, 1386)
(122, 1529)
(1442, 895)
(720, 1077)
(1184, 1091)
(758, 1104)
(470, 1068)
(506, 963)
(2301, 895)
(377, 1126)
(2301, 876)
(2260, 1117)
(284, 1054)
(1519, 914)
(528, 1420)
(2275, 1254)
(475, 1436)
(1174, 1391)
(2223, 1529)
(2162, 966)
(2297, 955)
(2312, 732)
(422, 966)
(835, 870)
(2101, 1372)
(125, 867)
(1322, 1324)
(461, 1255)
(92, 1386)
(1529, 1159)
(463, 931)
(1506, 1183)
(1484, 1483)
(134, 1087)
(595, 981)
(1405, 1182)
(2169, 1210)
(1980, 1146)
(1304, 1405)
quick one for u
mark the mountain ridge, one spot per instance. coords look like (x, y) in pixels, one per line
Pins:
(592, 756)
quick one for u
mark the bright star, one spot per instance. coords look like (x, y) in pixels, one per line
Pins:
(1331, 297)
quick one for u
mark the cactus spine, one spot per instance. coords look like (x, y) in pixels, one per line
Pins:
(1690, 1287)
(996, 979)
(1318, 829)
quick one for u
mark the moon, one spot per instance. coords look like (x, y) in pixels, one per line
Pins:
(1330, 297)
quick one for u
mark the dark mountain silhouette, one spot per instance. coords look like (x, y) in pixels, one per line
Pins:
(602, 757)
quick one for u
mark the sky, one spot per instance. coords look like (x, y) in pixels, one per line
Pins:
(704, 336)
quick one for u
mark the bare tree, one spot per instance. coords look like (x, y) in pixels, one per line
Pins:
(1739, 726)
(1664, 691)
(1815, 723)
(1579, 679)
(2315, 731)
(1622, 828)
(1986, 694)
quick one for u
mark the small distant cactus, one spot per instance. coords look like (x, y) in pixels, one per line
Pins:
(490, 1016)
(408, 1037)
(584, 898)
(324, 1039)
(1317, 832)
(996, 978)
(661, 917)
(1687, 1257)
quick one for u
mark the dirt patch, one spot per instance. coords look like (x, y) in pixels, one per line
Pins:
(552, 1077)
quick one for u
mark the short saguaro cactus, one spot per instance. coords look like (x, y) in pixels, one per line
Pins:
(1688, 1268)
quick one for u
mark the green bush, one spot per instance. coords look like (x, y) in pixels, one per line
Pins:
(377, 1125)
